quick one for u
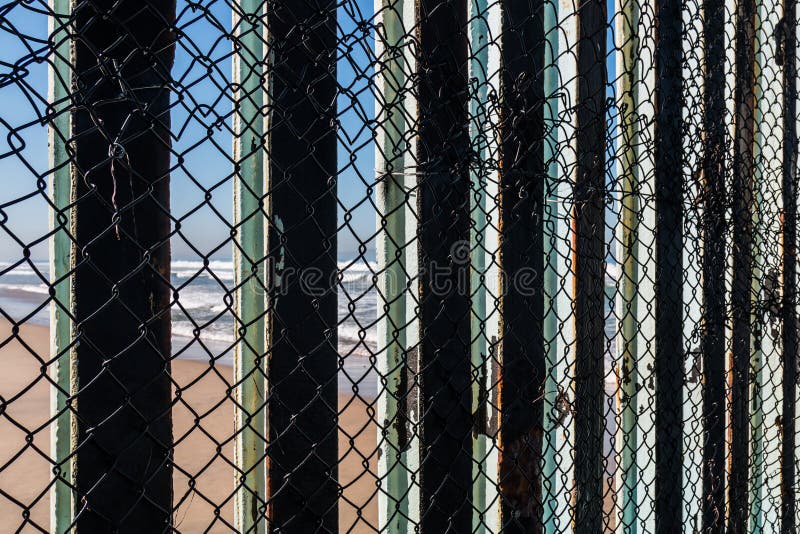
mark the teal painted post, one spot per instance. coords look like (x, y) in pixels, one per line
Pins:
(391, 200)
(478, 91)
(248, 256)
(550, 484)
(59, 80)
(627, 437)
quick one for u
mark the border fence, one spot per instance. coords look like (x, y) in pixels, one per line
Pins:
(577, 311)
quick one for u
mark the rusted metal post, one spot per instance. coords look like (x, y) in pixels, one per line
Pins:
(589, 265)
(302, 352)
(522, 377)
(121, 131)
(250, 498)
(443, 209)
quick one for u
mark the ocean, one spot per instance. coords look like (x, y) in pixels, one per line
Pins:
(203, 309)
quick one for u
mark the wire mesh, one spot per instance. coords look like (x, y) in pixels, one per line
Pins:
(398, 266)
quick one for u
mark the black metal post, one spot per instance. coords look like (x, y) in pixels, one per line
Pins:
(714, 224)
(124, 52)
(445, 396)
(741, 291)
(522, 175)
(589, 265)
(789, 300)
(669, 356)
(302, 350)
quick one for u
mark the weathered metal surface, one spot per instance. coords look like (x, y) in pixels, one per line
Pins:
(443, 234)
(122, 298)
(521, 256)
(589, 265)
(303, 359)
(391, 199)
(59, 80)
(742, 251)
(627, 309)
(250, 499)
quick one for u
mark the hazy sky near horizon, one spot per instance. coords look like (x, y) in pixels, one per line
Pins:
(193, 123)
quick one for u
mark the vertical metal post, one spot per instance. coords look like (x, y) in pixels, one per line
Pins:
(551, 486)
(522, 346)
(391, 201)
(668, 153)
(122, 300)
(588, 263)
(741, 328)
(713, 344)
(627, 437)
(249, 260)
(788, 33)
(443, 208)
(480, 169)
(303, 359)
(59, 82)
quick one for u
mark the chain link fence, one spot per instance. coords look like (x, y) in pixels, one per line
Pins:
(577, 311)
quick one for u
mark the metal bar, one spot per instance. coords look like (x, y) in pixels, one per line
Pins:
(742, 194)
(122, 295)
(59, 82)
(588, 263)
(249, 256)
(443, 207)
(521, 254)
(302, 319)
(391, 200)
(480, 170)
(713, 344)
(552, 216)
(627, 437)
(669, 358)
(789, 319)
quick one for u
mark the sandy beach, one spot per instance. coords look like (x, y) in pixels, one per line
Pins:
(25, 439)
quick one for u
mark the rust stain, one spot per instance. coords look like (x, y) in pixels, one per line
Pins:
(520, 475)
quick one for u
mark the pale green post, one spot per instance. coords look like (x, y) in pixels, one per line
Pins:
(248, 256)
(551, 486)
(391, 201)
(627, 436)
(478, 65)
(59, 76)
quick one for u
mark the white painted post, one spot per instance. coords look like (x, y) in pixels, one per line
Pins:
(390, 149)
(628, 77)
(59, 80)
(770, 163)
(248, 256)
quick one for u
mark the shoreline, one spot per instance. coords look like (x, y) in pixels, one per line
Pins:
(197, 453)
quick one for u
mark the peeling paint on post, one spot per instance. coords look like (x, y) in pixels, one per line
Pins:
(250, 500)
(59, 81)
(629, 175)
(479, 168)
(391, 200)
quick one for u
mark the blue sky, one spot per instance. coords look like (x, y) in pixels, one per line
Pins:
(23, 104)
